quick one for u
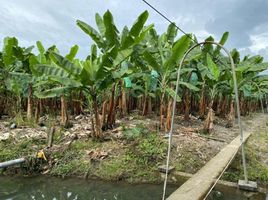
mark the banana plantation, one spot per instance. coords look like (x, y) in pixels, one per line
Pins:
(127, 85)
(131, 70)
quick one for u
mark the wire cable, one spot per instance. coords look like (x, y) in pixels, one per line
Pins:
(166, 18)
(180, 29)
(170, 134)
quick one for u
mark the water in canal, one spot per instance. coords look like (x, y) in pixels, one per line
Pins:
(35, 188)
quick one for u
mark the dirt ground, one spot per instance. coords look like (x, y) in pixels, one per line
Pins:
(190, 148)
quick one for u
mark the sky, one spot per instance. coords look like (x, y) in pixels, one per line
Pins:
(54, 21)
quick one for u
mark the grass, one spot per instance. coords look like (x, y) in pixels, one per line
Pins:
(257, 161)
(11, 150)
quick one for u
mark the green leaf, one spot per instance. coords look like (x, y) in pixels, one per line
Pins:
(189, 86)
(152, 61)
(93, 52)
(236, 56)
(65, 81)
(40, 47)
(171, 93)
(65, 64)
(222, 42)
(111, 30)
(138, 24)
(100, 24)
(51, 93)
(28, 50)
(126, 39)
(73, 51)
(178, 50)
(213, 68)
(208, 48)
(143, 33)
(121, 56)
(171, 33)
(8, 50)
(258, 67)
(95, 36)
(50, 70)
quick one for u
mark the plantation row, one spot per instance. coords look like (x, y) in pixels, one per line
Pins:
(134, 69)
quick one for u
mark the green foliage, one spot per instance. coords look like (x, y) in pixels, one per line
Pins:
(149, 150)
(10, 150)
(72, 166)
(131, 134)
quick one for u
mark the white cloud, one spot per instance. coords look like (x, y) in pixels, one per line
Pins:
(259, 42)
(53, 21)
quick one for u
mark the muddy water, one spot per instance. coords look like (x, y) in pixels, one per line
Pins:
(35, 188)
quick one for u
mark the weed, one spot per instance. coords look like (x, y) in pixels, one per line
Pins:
(149, 150)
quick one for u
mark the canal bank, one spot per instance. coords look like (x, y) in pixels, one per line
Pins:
(134, 153)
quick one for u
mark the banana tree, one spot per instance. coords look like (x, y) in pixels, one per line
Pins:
(16, 62)
(90, 75)
(163, 54)
(248, 78)
(112, 44)
(47, 68)
(38, 81)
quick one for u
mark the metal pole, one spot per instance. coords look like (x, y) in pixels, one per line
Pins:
(266, 102)
(12, 162)
(237, 108)
(262, 108)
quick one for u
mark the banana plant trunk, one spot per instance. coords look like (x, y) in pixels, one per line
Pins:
(103, 113)
(37, 111)
(64, 114)
(123, 100)
(202, 103)
(208, 124)
(162, 111)
(30, 102)
(145, 105)
(186, 105)
(98, 132)
(110, 119)
(169, 113)
(231, 115)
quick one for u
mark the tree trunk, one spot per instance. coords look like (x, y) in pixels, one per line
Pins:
(202, 104)
(149, 109)
(208, 124)
(266, 103)
(129, 102)
(144, 109)
(169, 113)
(103, 112)
(223, 106)
(186, 105)
(93, 133)
(30, 102)
(231, 115)
(110, 121)
(37, 111)
(123, 101)
(162, 111)
(97, 118)
(64, 114)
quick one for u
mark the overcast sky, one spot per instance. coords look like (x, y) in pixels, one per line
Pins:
(53, 21)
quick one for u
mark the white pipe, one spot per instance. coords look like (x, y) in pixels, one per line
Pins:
(12, 162)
